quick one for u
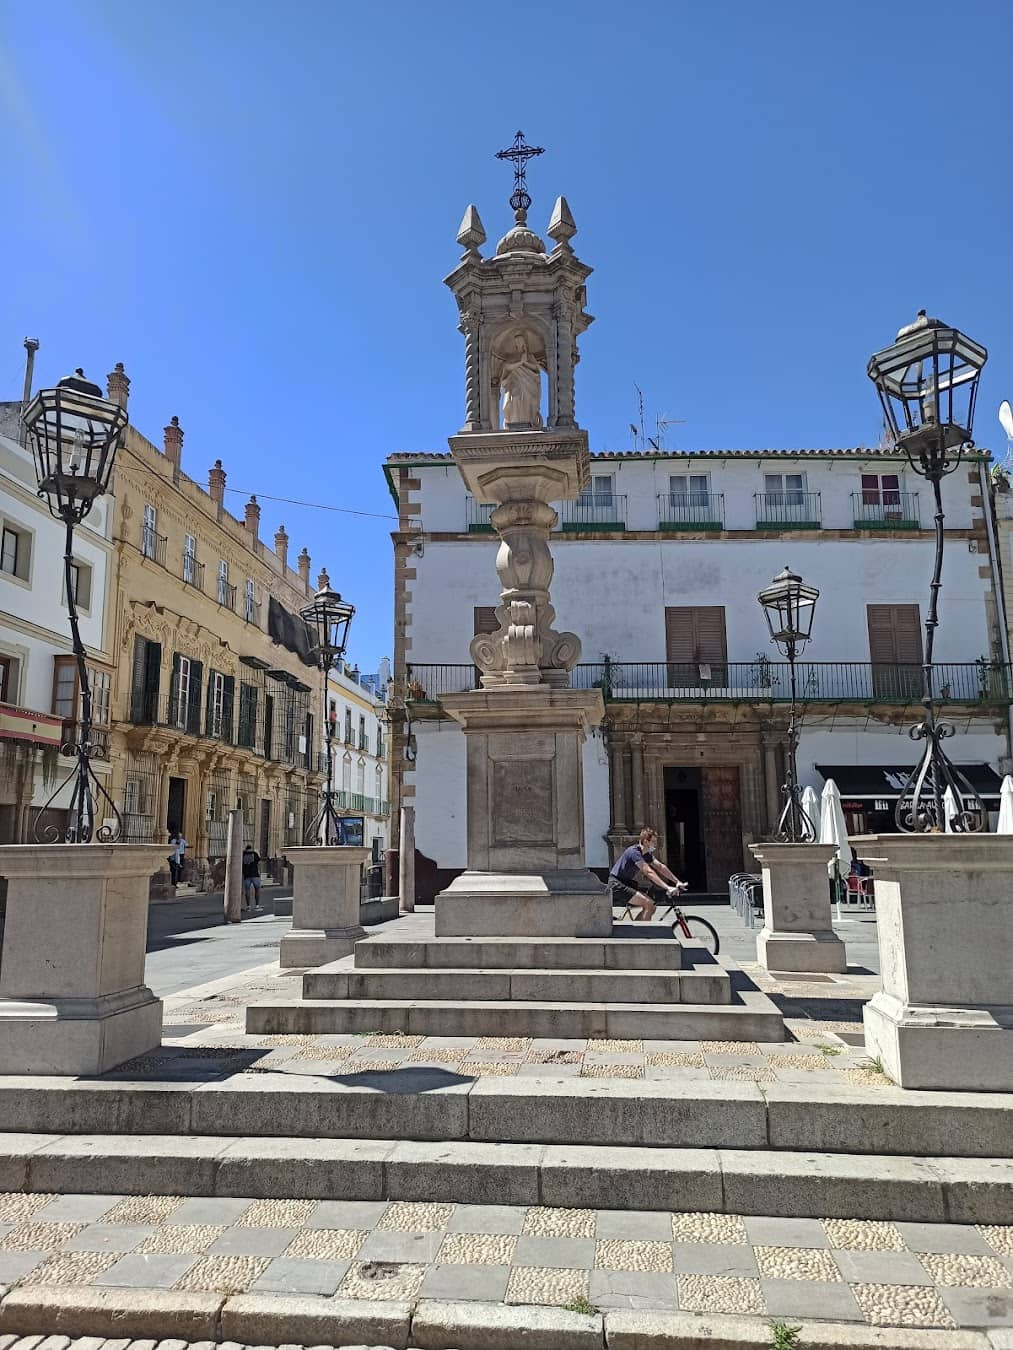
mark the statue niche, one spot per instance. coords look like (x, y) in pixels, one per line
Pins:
(518, 359)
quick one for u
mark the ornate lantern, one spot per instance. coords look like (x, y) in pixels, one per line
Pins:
(328, 618)
(74, 433)
(789, 605)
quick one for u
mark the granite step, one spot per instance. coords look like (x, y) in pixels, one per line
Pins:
(791, 1185)
(443, 1105)
(708, 984)
(631, 949)
(754, 1018)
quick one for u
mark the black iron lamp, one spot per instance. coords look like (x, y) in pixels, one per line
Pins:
(789, 606)
(328, 618)
(927, 382)
(74, 433)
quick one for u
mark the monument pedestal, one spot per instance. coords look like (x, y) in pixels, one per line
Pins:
(72, 993)
(526, 874)
(325, 905)
(944, 1017)
(797, 933)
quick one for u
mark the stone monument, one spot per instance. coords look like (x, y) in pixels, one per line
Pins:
(521, 449)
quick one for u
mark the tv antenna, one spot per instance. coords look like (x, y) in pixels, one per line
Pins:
(663, 423)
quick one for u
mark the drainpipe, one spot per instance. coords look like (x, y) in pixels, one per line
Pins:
(997, 587)
(31, 347)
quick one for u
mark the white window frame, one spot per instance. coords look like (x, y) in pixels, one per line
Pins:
(189, 559)
(251, 599)
(788, 496)
(217, 702)
(689, 494)
(601, 490)
(149, 531)
(182, 693)
(23, 545)
(223, 581)
(101, 696)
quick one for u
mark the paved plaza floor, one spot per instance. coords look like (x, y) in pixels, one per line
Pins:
(876, 1273)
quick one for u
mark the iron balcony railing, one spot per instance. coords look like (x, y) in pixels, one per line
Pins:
(479, 517)
(691, 510)
(153, 545)
(251, 611)
(885, 510)
(788, 510)
(226, 594)
(193, 572)
(759, 680)
(602, 511)
(355, 801)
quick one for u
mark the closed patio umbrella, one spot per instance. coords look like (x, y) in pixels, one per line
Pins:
(1004, 825)
(811, 806)
(834, 830)
(950, 809)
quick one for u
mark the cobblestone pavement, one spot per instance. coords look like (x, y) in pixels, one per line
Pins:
(877, 1273)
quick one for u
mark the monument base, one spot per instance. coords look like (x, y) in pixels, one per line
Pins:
(571, 903)
(307, 947)
(821, 953)
(954, 1049)
(78, 1036)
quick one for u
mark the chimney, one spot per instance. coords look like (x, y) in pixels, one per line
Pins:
(216, 483)
(281, 546)
(173, 442)
(323, 580)
(252, 521)
(118, 385)
(304, 568)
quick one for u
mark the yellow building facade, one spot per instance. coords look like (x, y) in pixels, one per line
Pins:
(216, 700)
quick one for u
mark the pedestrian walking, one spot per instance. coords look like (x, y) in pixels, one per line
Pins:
(251, 879)
(178, 845)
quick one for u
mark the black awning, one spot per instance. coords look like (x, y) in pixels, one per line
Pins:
(887, 780)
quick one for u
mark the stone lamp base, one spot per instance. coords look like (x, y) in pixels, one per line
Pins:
(72, 993)
(797, 933)
(325, 905)
(548, 904)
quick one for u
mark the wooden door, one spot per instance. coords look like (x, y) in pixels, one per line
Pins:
(722, 824)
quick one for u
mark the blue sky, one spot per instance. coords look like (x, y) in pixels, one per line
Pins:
(252, 205)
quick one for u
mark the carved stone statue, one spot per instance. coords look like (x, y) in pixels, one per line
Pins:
(521, 383)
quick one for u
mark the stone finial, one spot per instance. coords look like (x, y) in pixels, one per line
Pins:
(252, 516)
(216, 483)
(172, 440)
(471, 235)
(281, 545)
(118, 385)
(303, 563)
(323, 580)
(562, 226)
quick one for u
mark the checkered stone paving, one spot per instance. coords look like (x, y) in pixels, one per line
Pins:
(876, 1272)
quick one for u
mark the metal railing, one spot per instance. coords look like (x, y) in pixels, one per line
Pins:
(885, 510)
(193, 572)
(788, 509)
(479, 517)
(603, 511)
(226, 594)
(759, 681)
(355, 801)
(745, 895)
(691, 510)
(153, 545)
(251, 612)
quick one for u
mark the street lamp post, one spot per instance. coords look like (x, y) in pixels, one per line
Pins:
(927, 382)
(789, 605)
(328, 618)
(74, 433)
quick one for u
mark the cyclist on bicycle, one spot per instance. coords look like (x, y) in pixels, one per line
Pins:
(639, 878)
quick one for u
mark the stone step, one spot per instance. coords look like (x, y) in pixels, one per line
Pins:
(709, 984)
(637, 951)
(439, 1105)
(795, 1185)
(754, 1019)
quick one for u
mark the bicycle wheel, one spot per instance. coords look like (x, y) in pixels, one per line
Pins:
(701, 934)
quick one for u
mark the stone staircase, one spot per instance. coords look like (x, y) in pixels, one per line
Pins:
(628, 985)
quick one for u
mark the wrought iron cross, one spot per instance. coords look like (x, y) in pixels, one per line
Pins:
(519, 153)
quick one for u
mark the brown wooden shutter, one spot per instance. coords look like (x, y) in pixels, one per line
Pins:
(485, 619)
(695, 637)
(895, 650)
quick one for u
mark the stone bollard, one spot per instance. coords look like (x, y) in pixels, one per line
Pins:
(325, 905)
(797, 932)
(72, 993)
(944, 1016)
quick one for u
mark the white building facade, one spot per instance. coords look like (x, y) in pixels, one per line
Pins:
(657, 568)
(360, 748)
(39, 691)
